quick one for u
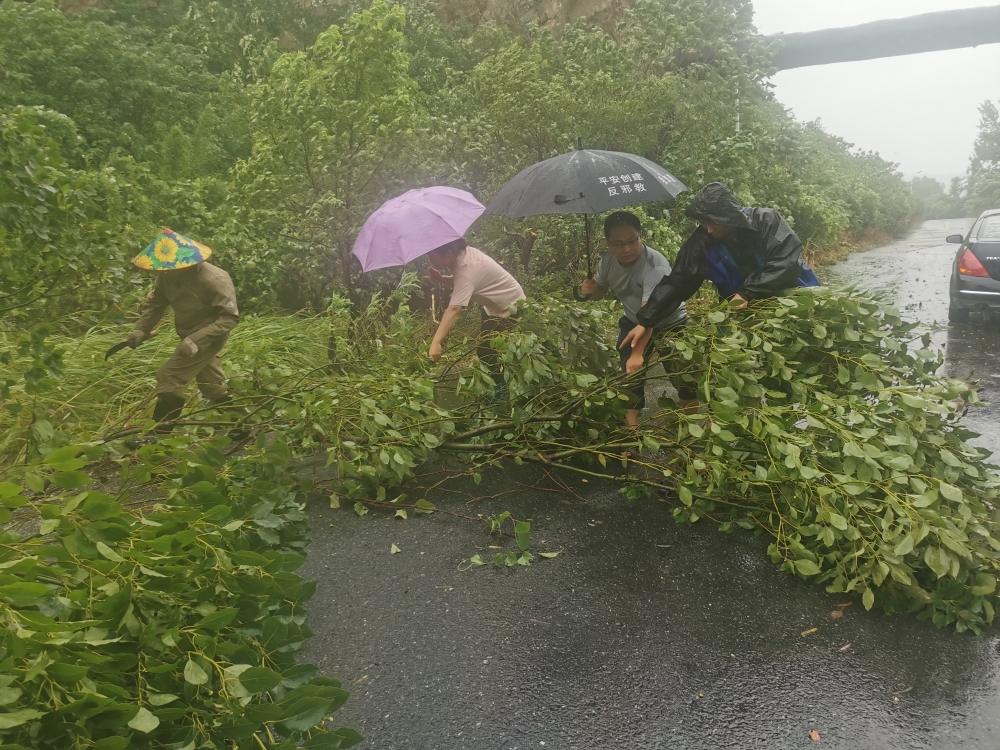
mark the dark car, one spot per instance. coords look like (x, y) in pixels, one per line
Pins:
(975, 275)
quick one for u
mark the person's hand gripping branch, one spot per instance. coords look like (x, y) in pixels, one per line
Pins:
(637, 338)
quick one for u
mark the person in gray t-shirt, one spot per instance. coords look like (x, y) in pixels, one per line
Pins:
(631, 269)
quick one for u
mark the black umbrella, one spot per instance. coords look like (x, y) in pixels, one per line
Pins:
(585, 182)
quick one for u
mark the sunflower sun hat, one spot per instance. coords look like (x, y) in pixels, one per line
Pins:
(170, 252)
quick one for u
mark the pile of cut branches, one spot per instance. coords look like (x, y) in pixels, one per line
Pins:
(166, 615)
(825, 426)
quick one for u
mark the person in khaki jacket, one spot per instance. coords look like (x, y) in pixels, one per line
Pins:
(204, 303)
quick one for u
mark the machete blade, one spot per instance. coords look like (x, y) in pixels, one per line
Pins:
(115, 349)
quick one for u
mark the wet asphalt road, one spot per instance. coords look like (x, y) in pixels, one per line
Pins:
(914, 274)
(641, 634)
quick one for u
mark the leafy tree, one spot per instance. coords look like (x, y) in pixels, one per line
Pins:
(335, 131)
(58, 251)
(175, 153)
(115, 83)
(984, 172)
(934, 202)
(240, 37)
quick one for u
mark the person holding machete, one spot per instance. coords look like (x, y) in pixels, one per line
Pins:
(203, 299)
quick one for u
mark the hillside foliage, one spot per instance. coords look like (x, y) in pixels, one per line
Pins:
(150, 596)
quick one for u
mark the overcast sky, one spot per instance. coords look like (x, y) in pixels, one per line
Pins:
(918, 110)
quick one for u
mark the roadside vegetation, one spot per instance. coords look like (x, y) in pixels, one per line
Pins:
(979, 190)
(983, 181)
(149, 594)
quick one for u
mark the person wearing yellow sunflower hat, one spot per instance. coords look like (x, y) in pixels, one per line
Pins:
(204, 303)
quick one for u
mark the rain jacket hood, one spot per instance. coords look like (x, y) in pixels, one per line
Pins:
(766, 251)
(715, 203)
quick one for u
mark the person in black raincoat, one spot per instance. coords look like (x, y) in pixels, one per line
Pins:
(748, 253)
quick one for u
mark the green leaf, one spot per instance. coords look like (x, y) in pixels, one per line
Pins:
(307, 713)
(49, 525)
(937, 562)
(393, 550)
(838, 521)
(9, 490)
(868, 598)
(297, 676)
(950, 492)
(194, 673)
(424, 507)
(35, 483)
(144, 721)
(905, 547)
(218, 620)
(522, 530)
(807, 567)
(949, 458)
(17, 718)
(60, 455)
(477, 477)
(160, 699)
(361, 509)
(900, 463)
(549, 555)
(259, 679)
(24, 594)
(71, 480)
(985, 584)
(684, 494)
(109, 553)
(401, 513)
(113, 743)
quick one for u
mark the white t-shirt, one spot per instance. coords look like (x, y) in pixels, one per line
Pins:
(480, 279)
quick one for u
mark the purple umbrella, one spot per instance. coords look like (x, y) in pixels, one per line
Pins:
(404, 228)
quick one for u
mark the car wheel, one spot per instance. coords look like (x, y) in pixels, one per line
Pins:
(957, 315)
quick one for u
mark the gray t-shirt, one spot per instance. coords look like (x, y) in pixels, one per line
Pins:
(633, 284)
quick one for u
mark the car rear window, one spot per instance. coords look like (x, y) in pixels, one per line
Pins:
(990, 230)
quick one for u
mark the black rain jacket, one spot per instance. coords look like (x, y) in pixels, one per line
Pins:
(761, 230)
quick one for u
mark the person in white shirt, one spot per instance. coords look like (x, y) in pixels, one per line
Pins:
(475, 278)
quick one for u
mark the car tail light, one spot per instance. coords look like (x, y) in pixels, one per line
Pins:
(969, 265)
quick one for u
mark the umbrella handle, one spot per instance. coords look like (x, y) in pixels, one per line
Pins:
(582, 297)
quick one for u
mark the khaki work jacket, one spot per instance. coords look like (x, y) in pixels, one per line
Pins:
(203, 299)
